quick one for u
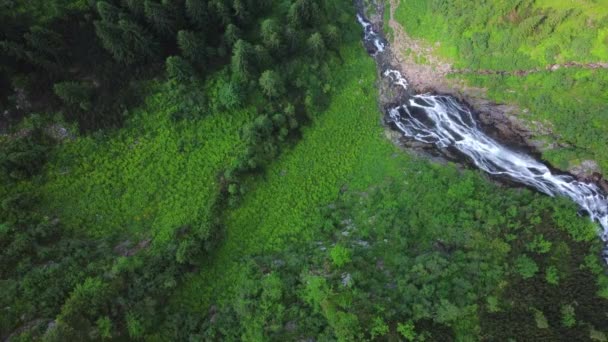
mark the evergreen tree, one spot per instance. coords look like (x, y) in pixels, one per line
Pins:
(74, 93)
(107, 11)
(192, 46)
(332, 36)
(231, 34)
(240, 61)
(179, 69)
(303, 13)
(220, 11)
(45, 41)
(262, 56)
(316, 44)
(111, 38)
(271, 83)
(136, 7)
(16, 50)
(196, 10)
(240, 10)
(140, 41)
(160, 17)
(293, 37)
(126, 41)
(270, 34)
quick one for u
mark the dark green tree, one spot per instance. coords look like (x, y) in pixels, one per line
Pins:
(107, 11)
(271, 33)
(240, 61)
(332, 36)
(136, 7)
(316, 44)
(197, 10)
(192, 46)
(179, 69)
(232, 34)
(271, 83)
(126, 41)
(74, 94)
(160, 17)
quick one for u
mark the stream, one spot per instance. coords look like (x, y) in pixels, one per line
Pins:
(444, 122)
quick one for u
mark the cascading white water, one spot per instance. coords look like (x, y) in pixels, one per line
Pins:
(442, 121)
(371, 35)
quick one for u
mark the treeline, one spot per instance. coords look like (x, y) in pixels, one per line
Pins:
(86, 61)
(90, 63)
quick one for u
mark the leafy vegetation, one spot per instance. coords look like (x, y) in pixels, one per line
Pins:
(519, 35)
(216, 170)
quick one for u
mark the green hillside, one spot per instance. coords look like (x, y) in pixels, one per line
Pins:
(218, 170)
(517, 35)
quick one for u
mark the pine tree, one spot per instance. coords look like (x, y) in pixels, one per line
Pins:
(74, 94)
(196, 10)
(293, 37)
(220, 11)
(192, 46)
(45, 41)
(270, 33)
(107, 11)
(136, 7)
(138, 39)
(16, 50)
(316, 44)
(160, 17)
(332, 36)
(179, 69)
(126, 41)
(271, 83)
(240, 59)
(262, 56)
(111, 38)
(240, 10)
(232, 34)
(302, 13)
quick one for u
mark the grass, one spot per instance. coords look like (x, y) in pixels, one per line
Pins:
(146, 180)
(511, 35)
(595, 9)
(345, 146)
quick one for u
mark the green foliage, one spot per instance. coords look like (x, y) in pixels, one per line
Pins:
(407, 330)
(127, 41)
(23, 156)
(271, 35)
(552, 276)
(179, 69)
(160, 16)
(334, 240)
(379, 328)
(518, 35)
(74, 94)
(526, 267)
(568, 316)
(316, 44)
(241, 56)
(192, 46)
(104, 325)
(125, 178)
(340, 255)
(541, 320)
(271, 83)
